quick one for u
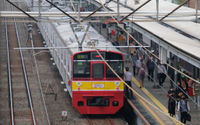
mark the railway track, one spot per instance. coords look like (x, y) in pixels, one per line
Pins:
(4, 104)
(20, 100)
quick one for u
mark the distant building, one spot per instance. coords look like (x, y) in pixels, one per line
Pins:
(192, 4)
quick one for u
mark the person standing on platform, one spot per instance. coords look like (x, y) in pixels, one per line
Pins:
(161, 74)
(109, 33)
(138, 65)
(190, 86)
(150, 67)
(112, 33)
(183, 108)
(171, 102)
(128, 78)
(164, 72)
(184, 84)
(134, 58)
(171, 74)
(142, 75)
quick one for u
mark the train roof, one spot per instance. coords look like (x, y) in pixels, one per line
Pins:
(68, 37)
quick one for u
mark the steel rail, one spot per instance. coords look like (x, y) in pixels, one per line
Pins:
(25, 77)
(38, 76)
(9, 73)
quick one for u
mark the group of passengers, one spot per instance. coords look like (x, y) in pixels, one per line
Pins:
(177, 97)
(180, 101)
(142, 64)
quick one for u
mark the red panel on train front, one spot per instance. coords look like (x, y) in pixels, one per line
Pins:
(86, 100)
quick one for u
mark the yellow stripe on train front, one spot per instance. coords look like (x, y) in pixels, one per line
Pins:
(97, 85)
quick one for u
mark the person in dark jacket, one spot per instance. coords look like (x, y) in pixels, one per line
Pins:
(184, 108)
(171, 102)
(150, 67)
(171, 74)
(134, 58)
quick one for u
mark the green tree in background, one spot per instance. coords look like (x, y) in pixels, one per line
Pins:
(179, 1)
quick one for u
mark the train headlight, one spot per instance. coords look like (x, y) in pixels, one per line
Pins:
(115, 103)
(78, 84)
(117, 83)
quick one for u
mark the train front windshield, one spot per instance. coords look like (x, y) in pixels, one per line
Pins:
(81, 70)
(89, 65)
(117, 67)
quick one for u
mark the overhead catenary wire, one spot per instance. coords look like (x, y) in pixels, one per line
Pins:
(116, 73)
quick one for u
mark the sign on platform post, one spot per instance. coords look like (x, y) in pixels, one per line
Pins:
(64, 115)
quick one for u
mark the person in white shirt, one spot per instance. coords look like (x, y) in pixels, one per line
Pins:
(128, 78)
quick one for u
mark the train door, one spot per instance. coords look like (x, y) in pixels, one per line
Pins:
(98, 70)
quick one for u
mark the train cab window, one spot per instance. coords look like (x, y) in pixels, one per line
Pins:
(117, 67)
(98, 70)
(81, 70)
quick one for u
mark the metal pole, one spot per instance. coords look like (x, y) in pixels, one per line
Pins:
(117, 35)
(32, 4)
(79, 7)
(39, 3)
(117, 9)
(157, 9)
(125, 2)
(127, 40)
(197, 7)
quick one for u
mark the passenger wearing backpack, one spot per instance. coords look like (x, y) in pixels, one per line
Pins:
(184, 108)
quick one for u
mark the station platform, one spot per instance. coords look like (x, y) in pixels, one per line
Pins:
(158, 97)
